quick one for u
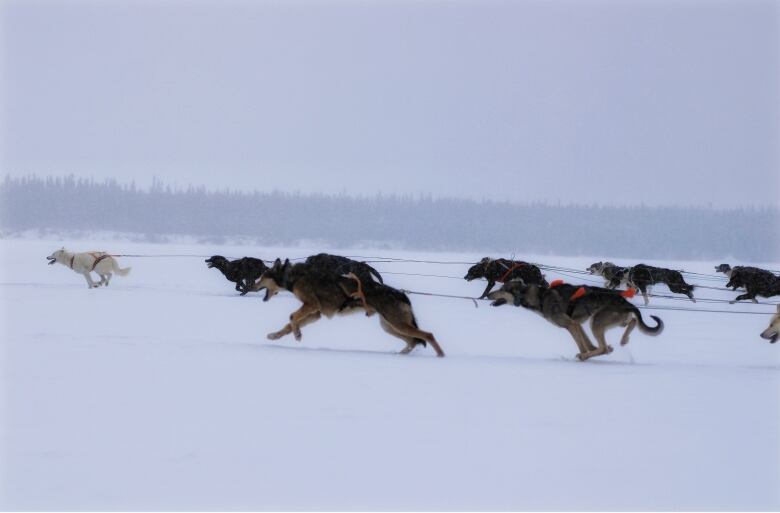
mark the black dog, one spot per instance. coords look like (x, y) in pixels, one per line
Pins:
(641, 276)
(244, 271)
(339, 265)
(502, 270)
(755, 281)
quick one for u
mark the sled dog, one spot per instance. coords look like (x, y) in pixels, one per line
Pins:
(502, 270)
(569, 306)
(100, 262)
(755, 281)
(243, 272)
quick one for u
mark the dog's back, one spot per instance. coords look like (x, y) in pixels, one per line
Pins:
(339, 265)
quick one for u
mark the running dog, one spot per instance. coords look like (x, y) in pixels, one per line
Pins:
(569, 306)
(244, 271)
(502, 270)
(755, 281)
(394, 309)
(771, 333)
(642, 276)
(100, 262)
(318, 290)
(614, 275)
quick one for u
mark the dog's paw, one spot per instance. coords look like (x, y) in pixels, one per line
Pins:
(274, 336)
(582, 356)
(298, 336)
(609, 349)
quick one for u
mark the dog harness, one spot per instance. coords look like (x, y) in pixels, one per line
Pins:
(503, 278)
(628, 293)
(96, 256)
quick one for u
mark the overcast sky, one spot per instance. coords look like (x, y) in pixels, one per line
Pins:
(663, 102)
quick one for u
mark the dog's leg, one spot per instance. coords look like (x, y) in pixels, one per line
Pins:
(599, 324)
(643, 289)
(743, 296)
(298, 315)
(301, 317)
(629, 329)
(490, 285)
(584, 344)
(305, 321)
(582, 351)
(298, 319)
(408, 330)
(90, 284)
(410, 344)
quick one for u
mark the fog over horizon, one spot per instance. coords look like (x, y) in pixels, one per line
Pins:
(594, 102)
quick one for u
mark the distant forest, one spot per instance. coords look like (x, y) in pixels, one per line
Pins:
(424, 222)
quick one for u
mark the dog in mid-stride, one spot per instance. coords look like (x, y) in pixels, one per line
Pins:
(755, 281)
(244, 271)
(613, 275)
(569, 306)
(99, 262)
(642, 276)
(502, 270)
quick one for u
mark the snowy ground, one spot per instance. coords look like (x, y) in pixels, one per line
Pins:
(162, 392)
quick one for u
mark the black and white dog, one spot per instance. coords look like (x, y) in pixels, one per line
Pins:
(642, 276)
(614, 275)
(244, 271)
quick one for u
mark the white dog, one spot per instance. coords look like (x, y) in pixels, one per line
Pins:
(84, 263)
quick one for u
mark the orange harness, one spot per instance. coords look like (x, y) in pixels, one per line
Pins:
(509, 271)
(628, 293)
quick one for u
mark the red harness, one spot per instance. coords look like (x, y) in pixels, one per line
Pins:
(628, 293)
(503, 278)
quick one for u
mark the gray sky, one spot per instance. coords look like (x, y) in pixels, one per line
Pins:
(665, 102)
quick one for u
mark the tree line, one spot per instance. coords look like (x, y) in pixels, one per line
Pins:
(404, 221)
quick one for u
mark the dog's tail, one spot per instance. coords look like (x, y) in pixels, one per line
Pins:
(644, 328)
(119, 270)
(374, 272)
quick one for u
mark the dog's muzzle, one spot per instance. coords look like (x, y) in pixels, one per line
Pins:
(209, 263)
(51, 260)
(770, 336)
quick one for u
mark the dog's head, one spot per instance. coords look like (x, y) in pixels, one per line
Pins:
(773, 331)
(57, 256)
(517, 293)
(273, 279)
(596, 268)
(722, 268)
(477, 270)
(217, 261)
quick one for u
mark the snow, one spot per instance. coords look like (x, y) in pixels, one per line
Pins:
(162, 392)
